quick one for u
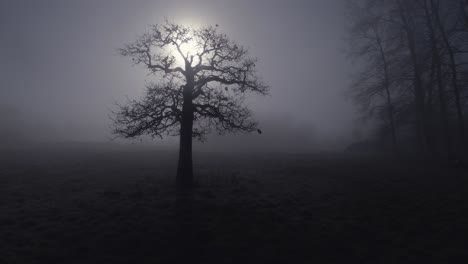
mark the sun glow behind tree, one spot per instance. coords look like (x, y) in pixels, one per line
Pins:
(201, 79)
(191, 48)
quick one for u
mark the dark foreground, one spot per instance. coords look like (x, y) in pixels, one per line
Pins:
(100, 205)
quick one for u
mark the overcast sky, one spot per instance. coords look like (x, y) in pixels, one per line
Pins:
(59, 67)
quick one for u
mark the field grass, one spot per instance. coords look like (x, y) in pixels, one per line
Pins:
(116, 205)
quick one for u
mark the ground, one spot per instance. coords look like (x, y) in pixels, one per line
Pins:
(117, 205)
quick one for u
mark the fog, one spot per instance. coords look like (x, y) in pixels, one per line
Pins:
(61, 74)
(360, 154)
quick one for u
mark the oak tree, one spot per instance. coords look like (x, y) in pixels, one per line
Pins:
(201, 78)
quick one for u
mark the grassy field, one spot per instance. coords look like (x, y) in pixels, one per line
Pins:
(116, 205)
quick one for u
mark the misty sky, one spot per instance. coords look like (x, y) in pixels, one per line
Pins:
(61, 73)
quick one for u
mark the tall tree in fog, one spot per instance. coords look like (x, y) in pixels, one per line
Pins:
(201, 79)
(437, 76)
(372, 88)
(414, 53)
(408, 20)
(450, 47)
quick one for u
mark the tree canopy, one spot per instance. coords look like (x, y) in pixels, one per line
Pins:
(200, 68)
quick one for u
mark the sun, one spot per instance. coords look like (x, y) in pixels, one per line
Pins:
(188, 49)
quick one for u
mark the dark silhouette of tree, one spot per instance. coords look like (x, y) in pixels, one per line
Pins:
(437, 75)
(413, 67)
(201, 79)
(406, 12)
(454, 80)
(372, 89)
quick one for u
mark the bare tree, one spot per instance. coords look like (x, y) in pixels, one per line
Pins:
(415, 51)
(201, 80)
(449, 47)
(437, 75)
(407, 13)
(370, 45)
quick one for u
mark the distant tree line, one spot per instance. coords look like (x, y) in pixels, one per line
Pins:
(412, 77)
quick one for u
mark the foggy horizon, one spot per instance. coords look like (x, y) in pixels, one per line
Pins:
(62, 74)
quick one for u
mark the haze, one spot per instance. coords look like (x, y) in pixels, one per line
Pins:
(60, 72)
(360, 154)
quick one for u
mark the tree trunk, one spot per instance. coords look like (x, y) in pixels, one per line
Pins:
(418, 88)
(387, 91)
(443, 114)
(185, 168)
(454, 79)
(440, 86)
(184, 184)
(392, 121)
(184, 179)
